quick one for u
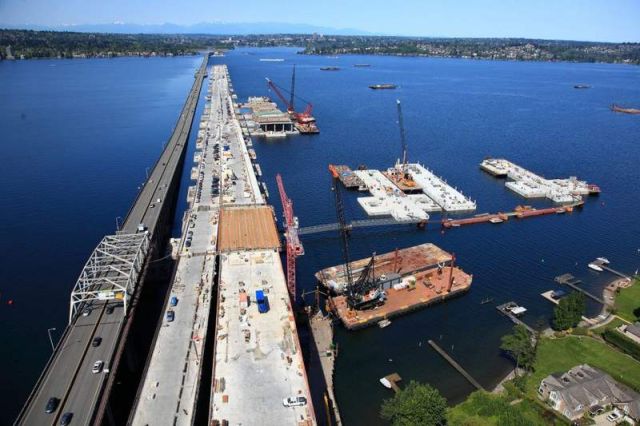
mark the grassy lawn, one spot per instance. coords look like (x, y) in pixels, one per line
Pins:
(627, 301)
(559, 355)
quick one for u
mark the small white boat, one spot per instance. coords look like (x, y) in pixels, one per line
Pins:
(271, 60)
(496, 220)
(603, 260)
(384, 323)
(386, 383)
(518, 310)
(595, 267)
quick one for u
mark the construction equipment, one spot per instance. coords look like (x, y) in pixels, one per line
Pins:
(366, 292)
(305, 122)
(294, 246)
(400, 174)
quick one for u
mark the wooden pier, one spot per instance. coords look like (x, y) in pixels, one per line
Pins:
(571, 281)
(503, 309)
(322, 333)
(455, 365)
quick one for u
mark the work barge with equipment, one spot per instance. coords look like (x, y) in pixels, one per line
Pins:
(410, 278)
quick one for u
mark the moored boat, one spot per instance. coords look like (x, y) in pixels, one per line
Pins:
(382, 86)
(595, 267)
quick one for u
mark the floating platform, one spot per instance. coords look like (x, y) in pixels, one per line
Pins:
(394, 197)
(530, 185)
(388, 199)
(449, 198)
(412, 278)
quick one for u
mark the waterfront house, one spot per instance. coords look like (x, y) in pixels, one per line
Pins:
(583, 387)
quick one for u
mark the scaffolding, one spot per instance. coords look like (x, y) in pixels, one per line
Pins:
(112, 271)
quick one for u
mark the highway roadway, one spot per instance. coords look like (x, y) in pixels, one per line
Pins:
(68, 376)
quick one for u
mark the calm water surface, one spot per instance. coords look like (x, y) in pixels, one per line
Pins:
(77, 136)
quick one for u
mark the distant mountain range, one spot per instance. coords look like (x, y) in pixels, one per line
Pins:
(222, 28)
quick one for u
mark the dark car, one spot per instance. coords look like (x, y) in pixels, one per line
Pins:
(96, 341)
(52, 404)
(66, 419)
(110, 309)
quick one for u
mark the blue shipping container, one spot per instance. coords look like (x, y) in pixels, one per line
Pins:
(262, 301)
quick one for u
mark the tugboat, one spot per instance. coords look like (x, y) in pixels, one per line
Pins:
(382, 86)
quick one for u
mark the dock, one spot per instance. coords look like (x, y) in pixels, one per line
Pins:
(412, 278)
(571, 281)
(505, 309)
(530, 185)
(606, 267)
(322, 333)
(455, 365)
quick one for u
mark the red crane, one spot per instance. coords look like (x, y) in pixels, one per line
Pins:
(294, 246)
(301, 117)
(284, 100)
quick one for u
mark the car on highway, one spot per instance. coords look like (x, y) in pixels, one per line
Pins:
(110, 309)
(97, 367)
(66, 419)
(86, 312)
(52, 404)
(170, 316)
(96, 341)
(294, 401)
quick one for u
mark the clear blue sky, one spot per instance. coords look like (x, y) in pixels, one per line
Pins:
(598, 20)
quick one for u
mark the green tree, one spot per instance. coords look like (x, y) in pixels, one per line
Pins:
(520, 346)
(417, 404)
(569, 311)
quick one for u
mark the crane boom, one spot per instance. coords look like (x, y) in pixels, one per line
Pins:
(293, 87)
(402, 137)
(275, 88)
(294, 246)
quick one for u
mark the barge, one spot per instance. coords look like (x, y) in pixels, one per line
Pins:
(411, 279)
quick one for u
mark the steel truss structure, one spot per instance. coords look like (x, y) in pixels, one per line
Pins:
(111, 272)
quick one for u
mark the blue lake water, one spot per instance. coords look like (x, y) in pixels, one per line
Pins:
(77, 136)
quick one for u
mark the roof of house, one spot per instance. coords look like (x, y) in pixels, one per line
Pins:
(586, 386)
(634, 329)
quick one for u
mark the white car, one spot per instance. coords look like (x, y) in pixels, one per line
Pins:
(614, 416)
(97, 367)
(294, 401)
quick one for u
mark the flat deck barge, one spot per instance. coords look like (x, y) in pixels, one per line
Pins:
(412, 278)
(348, 178)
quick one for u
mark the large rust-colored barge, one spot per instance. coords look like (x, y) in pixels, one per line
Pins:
(412, 278)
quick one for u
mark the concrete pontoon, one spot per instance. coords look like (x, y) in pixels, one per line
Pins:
(530, 185)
